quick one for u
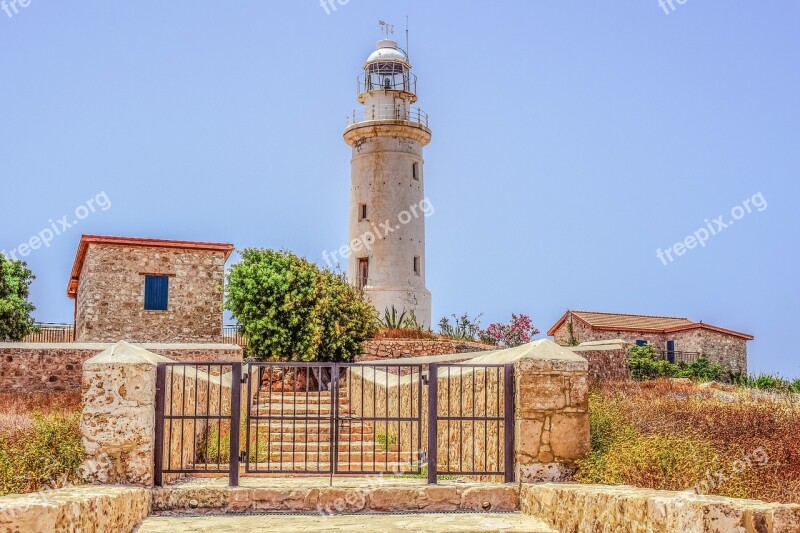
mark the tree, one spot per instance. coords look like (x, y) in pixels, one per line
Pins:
(15, 309)
(290, 309)
(347, 319)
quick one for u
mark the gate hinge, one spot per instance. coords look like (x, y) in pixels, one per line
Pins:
(243, 456)
(244, 378)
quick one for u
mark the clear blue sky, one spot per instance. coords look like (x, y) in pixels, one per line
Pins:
(572, 139)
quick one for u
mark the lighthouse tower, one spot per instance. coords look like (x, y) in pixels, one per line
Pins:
(387, 199)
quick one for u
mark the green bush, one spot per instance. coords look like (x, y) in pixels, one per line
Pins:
(47, 455)
(292, 310)
(645, 364)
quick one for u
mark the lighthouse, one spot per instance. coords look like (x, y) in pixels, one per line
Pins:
(387, 191)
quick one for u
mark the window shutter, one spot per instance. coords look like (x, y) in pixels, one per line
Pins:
(156, 293)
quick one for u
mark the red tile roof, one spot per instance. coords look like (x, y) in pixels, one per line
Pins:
(643, 323)
(86, 240)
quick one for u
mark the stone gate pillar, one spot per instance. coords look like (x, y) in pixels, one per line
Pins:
(552, 412)
(118, 418)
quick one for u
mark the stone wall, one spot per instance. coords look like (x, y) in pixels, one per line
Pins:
(110, 297)
(380, 349)
(32, 367)
(728, 351)
(608, 360)
(590, 508)
(93, 509)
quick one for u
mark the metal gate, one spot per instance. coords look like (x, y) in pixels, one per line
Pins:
(335, 418)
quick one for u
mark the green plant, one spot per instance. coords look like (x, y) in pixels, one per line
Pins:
(463, 327)
(385, 440)
(15, 310)
(645, 364)
(290, 309)
(392, 320)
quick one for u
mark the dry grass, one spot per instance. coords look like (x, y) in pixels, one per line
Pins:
(663, 434)
(17, 408)
(40, 441)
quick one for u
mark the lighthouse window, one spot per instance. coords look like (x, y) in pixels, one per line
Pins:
(416, 265)
(415, 171)
(363, 272)
(362, 212)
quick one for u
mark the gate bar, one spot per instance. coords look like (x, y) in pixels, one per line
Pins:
(433, 426)
(508, 379)
(236, 420)
(161, 380)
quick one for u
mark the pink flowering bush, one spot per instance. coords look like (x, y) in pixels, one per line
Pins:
(519, 331)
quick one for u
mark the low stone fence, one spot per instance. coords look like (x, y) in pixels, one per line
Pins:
(53, 367)
(93, 509)
(590, 508)
(608, 360)
(382, 349)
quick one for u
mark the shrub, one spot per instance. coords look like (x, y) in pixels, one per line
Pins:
(291, 309)
(644, 364)
(463, 327)
(519, 331)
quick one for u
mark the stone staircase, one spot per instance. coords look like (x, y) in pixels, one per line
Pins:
(297, 436)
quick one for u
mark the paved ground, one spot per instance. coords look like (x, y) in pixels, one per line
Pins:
(454, 522)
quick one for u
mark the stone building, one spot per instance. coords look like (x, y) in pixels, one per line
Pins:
(676, 339)
(148, 291)
(386, 254)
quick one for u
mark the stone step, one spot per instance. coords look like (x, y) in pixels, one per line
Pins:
(324, 466)
(442, 523)
(297, 410)
(367, 457)
(320, 446)
(263, 399)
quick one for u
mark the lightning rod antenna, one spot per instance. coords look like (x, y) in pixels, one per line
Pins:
(408, 54)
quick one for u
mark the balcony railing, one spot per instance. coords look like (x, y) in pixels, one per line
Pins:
(58, 333)
(52, 332)
(679, 357)
(233, 334)
(413, 115)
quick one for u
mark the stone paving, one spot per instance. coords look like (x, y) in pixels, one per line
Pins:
(440, 523)
(348, 495)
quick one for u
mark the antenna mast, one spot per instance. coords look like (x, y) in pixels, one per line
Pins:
(408, 54)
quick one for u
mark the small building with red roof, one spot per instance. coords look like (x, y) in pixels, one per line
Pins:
(148, 290)
(676, 339)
